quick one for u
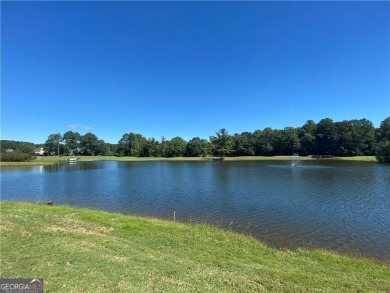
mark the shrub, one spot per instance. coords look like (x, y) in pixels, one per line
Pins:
(15, 156)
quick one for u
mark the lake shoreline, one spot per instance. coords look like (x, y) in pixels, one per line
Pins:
(49, 160)
(72, 247)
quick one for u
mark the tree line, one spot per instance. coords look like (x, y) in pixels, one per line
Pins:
(356, 137)
(16, 151)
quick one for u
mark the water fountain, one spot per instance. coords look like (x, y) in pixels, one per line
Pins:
(295, 160)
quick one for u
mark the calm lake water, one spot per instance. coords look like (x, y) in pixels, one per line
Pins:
(337, 205)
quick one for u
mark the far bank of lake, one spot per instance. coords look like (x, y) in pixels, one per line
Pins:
(50, 160)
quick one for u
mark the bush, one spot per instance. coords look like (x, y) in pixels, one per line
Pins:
(383, 152)
(15, 156)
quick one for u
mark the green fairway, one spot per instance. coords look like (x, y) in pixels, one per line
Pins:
(81, 250)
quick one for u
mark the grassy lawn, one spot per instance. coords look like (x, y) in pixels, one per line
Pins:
(264, 158)
(81, 250)
(50, 160)
(41, 161)
(359, 158)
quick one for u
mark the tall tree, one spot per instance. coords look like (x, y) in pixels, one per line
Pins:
(132, 144)
(384, 130)
(103, 148)
(176, 147)
(197, 147)
(52, 144)
(163, 146)
(72, 142)
(123, 148)
(152, 148)
(383, 151)
(289, 142)
(265, 141)
(244, 144)
(326, 137)
(89, 144)
(307, 136)
(222, 143)
(363, 137)
(383, 139)
(344, 145)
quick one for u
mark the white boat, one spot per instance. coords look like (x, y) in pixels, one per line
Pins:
(73, 159)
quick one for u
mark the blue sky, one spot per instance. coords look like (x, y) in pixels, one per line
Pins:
(190, 68)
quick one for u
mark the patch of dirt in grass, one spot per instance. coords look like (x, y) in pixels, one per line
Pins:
(117, 258)
(6, 226)
(70, 224)
(77, 228)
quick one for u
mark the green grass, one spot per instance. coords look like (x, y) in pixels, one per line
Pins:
(81, 250)
(359, 158)
(39, 161)
(264, 158)
(49, 160)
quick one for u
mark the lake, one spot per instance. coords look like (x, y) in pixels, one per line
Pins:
(342, 206)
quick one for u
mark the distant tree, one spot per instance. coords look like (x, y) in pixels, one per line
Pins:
(151, 148)
(176, 147)
(103, 148)
(383, 132)
(326, 137)
(308, 144)
(123, 148)
(310, 127)
(52, 144)
(264, 142)
(89, 144)
(222, 143)
(289, 142)
(132, 144)
(197, 147)
(307, 136)
(345, 138)
(163, 146)
(72, 142)
(244, 144)
(112, 149)
(363, 137)
(15, 156)
(383, 152)
(344, 144)
(22, 146)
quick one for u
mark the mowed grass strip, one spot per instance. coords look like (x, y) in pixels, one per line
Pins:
(50, 160)
(81, 250)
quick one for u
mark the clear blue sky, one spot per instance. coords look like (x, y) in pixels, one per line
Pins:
(190, 68)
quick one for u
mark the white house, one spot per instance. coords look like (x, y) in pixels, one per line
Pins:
(39, 151)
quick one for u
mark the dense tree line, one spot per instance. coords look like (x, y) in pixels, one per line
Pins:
(327, 137)
(383, 141)
(73, 143)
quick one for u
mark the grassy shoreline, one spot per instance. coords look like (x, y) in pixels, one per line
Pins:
(82, 250)
(43, 161)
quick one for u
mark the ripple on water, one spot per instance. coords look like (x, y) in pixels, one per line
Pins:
(329, 204)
